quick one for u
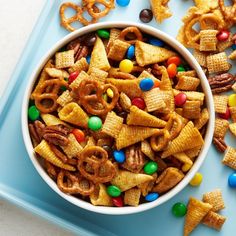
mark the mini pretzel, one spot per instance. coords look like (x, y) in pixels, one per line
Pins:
(72, 184)
(93, 160)
(48, 91)
(90, 93)
(210, 17)
(229, 12)
(131, 30)
(168, 133)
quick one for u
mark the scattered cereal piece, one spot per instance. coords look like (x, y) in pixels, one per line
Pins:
(221, 127)
(208, 40)
(230, 158)
(220, 103)
(232, 128)
(160, 10)
(214, 220)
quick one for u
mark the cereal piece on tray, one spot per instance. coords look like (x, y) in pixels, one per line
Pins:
(188, 138)
(233, 113)
(230, 158)
(160, 10)
(132, 197)
(214, 220)
(169, 178)
(64, 98)
(125, 180)
(44, 150)
(53, 72)
(232, 56)
(133, 134)
(100, 197)
(192, 110)
(82, 75)
(208, 40)
(200, 57)
(220, 103)
(99, 57)
(125, 101)
(147, 150)
(202, 120)
(147, 54)
(232, 128)
(196, 211)
(97, 74)
(215, 199)
(80, 65)
(142, 118)
(118, 50)
(207, 4)
(221, 127)
(64, 59)
(112, 124)
(218, 63)
(74, 114)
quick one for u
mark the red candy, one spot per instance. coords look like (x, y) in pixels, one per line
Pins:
(73, 76)
(172, 70)
(174, 60)
(117, 201)
(79, 135)
(180, 99)
(225, 116)
(139, 102)
(223, 35)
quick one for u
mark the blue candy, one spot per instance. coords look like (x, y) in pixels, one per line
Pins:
(151, 197)
(156, 42)
(123, 3)
(234, 47)
(88, 59)
(119, 156)
(130, 52)
(232, 180)
(146, 84)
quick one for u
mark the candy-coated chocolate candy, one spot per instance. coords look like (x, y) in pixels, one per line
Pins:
(172, 70)
(63, 88)
(146, 84)
(33, 113)
(179, 209)
(123, 3)
(110, 93)
(117, 201)
(119, 156)
(94, 123)
(79, 135)
(146, 15)
(108, 149)
(102, 33)
(88, 59)
(130, 52)
(196, 180)
(151, 197)
(156, 42)
(180, 99)
(156, 84)
(180, 68)
(73, 76)
(150, 168)
(126, 66)
(105, 97)
(113, 191)
(175, 60)
(233, 46)
(225, 116)
(223, 35)
(232, 180)
(139, 102)
(232, 100)
(90, 40)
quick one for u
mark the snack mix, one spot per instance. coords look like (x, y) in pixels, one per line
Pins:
(116, 120)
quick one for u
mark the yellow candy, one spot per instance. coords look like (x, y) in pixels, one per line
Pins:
(232, 100)
(110, 93)
(186, 167)
(196, 180)
(126, 66)
(105, 97)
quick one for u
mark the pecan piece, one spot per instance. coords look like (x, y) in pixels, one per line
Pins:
(135, 159)
(220, 144)
(36, 131)
(155, 70)
(56, 134)
(79, 49)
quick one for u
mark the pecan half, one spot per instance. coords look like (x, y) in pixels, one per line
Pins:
(79, 49)
(135, 159)
(220, 144)
(56, 134)
(155, 70)
(36, 131)
(221, 83)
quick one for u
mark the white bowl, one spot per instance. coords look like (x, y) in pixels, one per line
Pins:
(208, 137)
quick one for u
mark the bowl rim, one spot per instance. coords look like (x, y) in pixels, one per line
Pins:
(208, 136)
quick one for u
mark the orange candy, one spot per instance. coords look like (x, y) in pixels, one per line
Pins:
(79, 135)
(174, 60)
(156, 84)
(172, 70)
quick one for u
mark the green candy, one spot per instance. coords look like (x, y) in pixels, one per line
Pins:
(94, 123)
(33, 113)
(179, 209)
(150, 168)
(63, 88)
(113, 191)
(180, 69)
(103, 33)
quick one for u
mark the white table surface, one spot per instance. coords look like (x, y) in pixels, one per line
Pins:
(17, 20)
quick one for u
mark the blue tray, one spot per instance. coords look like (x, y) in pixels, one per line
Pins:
(21, 184)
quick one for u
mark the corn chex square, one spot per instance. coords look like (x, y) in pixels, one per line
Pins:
(230, 158)
(64, 59)
(220, 103)
(221, 127)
